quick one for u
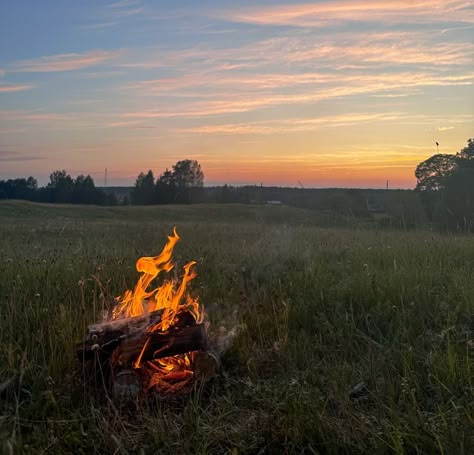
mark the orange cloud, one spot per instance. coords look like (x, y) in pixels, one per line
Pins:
(63, 62)
(14, 88)
(342, 86)
(294, 125)
(35, 116)
(319, 14)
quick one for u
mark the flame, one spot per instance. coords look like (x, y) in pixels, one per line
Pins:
(170, 374)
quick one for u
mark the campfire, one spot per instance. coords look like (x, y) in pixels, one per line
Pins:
(154, 339)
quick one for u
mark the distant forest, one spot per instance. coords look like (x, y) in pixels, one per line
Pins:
(443, 197)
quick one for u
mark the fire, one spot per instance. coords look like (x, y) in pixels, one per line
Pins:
(169, 374)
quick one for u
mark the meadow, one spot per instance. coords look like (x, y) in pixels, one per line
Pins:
(352, 339)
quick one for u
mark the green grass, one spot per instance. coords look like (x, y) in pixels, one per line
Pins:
(322, 310)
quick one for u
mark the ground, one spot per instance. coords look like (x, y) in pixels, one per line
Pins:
(352, 340)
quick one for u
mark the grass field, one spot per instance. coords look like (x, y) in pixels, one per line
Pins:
(352, 340)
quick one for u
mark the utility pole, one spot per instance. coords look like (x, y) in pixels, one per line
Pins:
(105, 178)
(387, 185)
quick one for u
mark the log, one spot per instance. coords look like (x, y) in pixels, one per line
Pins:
(163, 344)
(126, 387)
(105, 337)
(124, 325)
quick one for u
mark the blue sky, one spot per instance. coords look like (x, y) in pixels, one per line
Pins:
(329, 93)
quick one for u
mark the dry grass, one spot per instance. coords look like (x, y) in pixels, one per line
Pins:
(355, 341)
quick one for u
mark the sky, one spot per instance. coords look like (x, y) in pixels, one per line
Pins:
(336, 93)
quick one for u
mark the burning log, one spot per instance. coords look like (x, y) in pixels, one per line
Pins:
(132, 333)
(106, 336)
(157, 345)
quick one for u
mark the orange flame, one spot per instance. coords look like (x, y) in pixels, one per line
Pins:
(169, 374)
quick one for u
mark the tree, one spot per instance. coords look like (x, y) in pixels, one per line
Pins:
(189, 180)
(85, 192)
(431, 174)
(459, 189)
(19, 188)
(180, 185)
(467, 152)
(144, 190)
(447, 183)
(60, 186)
(188, 174)
(166, 189)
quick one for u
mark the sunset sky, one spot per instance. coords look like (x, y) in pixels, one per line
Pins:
(328, 93)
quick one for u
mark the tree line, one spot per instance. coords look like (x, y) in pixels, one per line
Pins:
(61, 188)
(182, 184)
(446, 186)
(444, 194)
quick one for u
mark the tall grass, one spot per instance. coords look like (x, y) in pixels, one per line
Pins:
(353, 340)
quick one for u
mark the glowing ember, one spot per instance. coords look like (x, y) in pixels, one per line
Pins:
(170, 374)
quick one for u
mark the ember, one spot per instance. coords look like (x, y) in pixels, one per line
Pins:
(154, 337)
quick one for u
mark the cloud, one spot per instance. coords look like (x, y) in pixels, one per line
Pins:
(337, 86)
(63, 62)
(297, 53)
(11, 130)
(99, 25)
(35, 116)
(445, 128)
(9, 156)
(113, 14)
(124, 8)
(14, 88)
(326, 12)
(295, 124)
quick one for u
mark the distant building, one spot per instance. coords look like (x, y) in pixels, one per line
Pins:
(273, 202)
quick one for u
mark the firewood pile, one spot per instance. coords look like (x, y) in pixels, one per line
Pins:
(154, 340)
(134, 360)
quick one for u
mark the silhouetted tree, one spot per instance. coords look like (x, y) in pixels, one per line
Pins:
(182, 184)
(143, 192)
(189, 180)
(459, 190)
(19, 188)
(85, 192)
(188, 174)
(468, 151)
(165, 189)
(60, 187)
(431, 174)
(447, 183)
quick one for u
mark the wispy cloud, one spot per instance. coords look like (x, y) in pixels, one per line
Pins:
(113, 14)
(11, 130)
(124, 8)
(296, 124)
(35, 116)
(99, 25)
(9, 155)
(337, 86)
(445, 128)
(14, 88)
(322, 13)
(63, 62)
